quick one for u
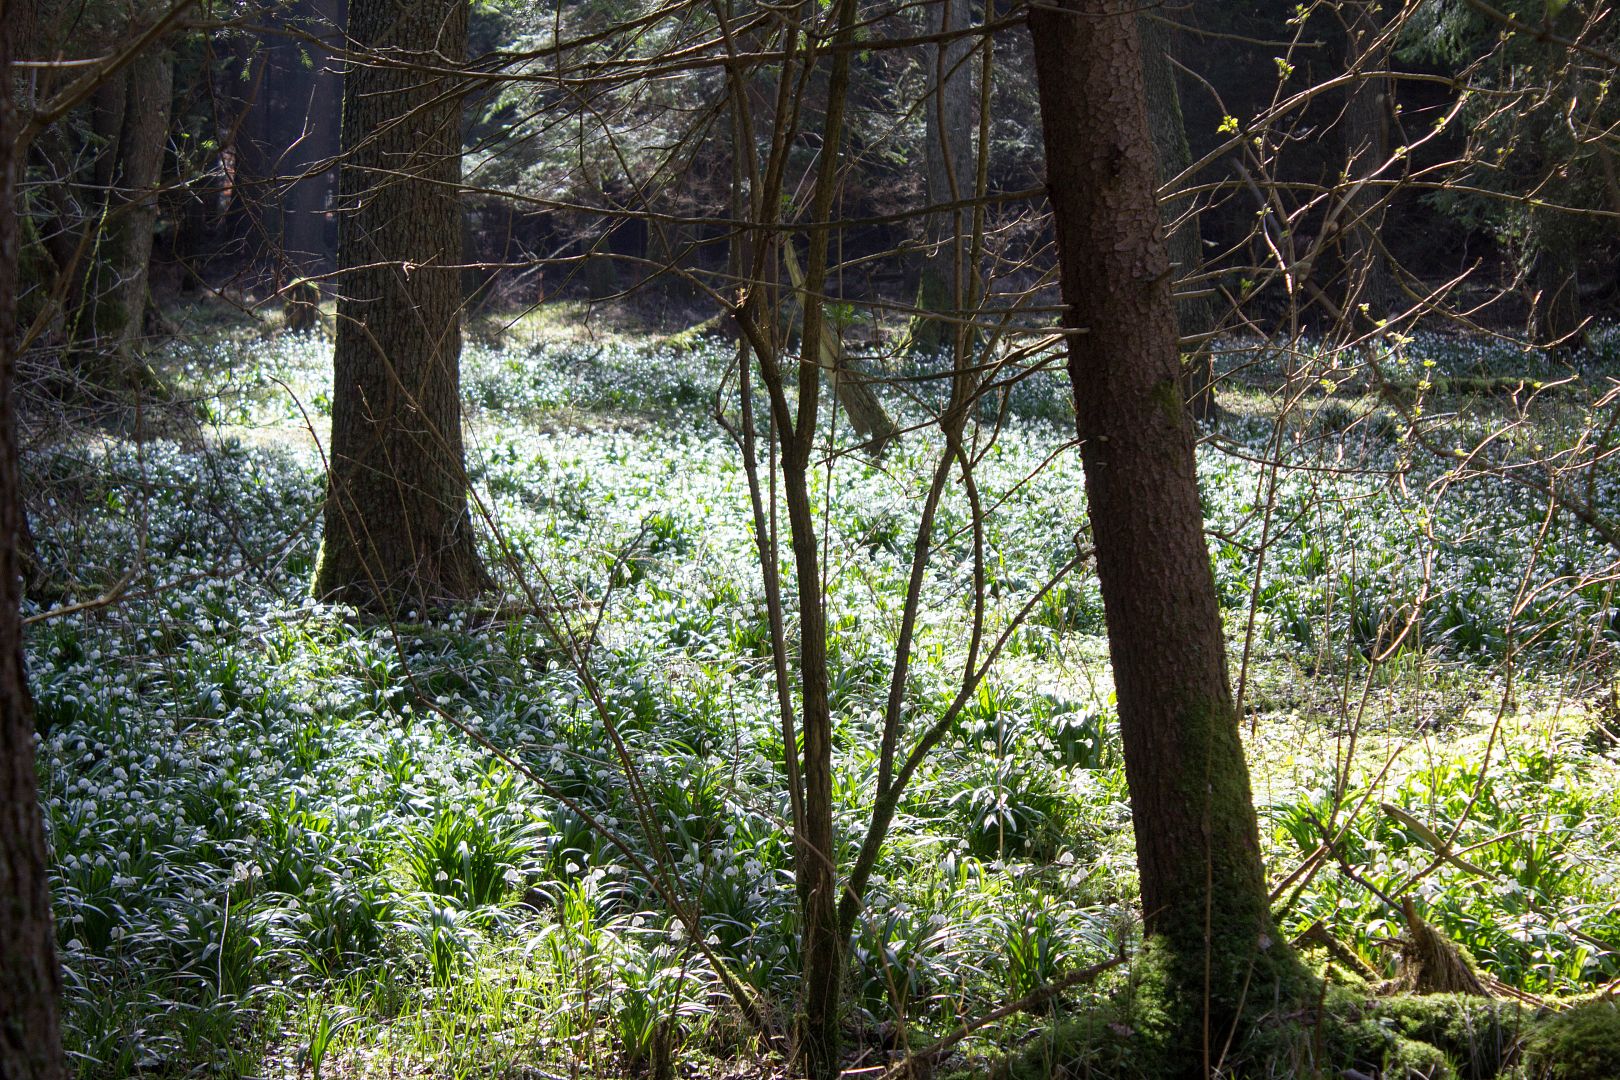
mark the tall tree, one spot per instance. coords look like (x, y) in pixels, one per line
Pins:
(132, 113)
(30, 979)
(288, 138)
(1369, 288)
(1195, 314)
(93, 249)
(948, 176)
(397, 524)
(1204, 899)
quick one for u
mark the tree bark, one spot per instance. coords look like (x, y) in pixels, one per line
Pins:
(397, 524)
(312, 102)
(949, 171)
(30, 979)
(1195, 315)
(131, 118)
(1369, 289)
(145, 141)
(1555, 309)
(1204, 898)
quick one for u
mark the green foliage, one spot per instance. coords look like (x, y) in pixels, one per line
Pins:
(267, 818)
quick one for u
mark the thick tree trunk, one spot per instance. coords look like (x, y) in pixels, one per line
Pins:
(1204, 897)
(131, 119)
(949, 165)
(146, 136)
(397, 524)
(1195, 315)
(30, 980)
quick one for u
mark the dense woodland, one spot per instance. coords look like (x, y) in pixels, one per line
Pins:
(726, 539)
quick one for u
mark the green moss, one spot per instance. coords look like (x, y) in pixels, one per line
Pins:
(1149, 1033)
(1477, 1034)
(1582, 1043)
(1471, 1037)
(1167, 394)
(1126, 1039)
(1221, 895)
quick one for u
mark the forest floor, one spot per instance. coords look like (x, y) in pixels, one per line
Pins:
(289, 841)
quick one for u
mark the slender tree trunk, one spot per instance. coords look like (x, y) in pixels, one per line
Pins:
(1555, 307)
(30, 979)
(1194, 315)
(397, 523)
(949, 169)
(1204, 899)
(824, 956)
(1369, 288)
(130, 118)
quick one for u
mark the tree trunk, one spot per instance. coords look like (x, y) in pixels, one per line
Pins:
(30, 979)
(130, 118)
(1369, 289)
(821, 993)
(145, 140)
(949, 165)
(397, 524)
(309, 100)
(1555, 308)
(1195, 316)
(1204, 899)
(860, 402)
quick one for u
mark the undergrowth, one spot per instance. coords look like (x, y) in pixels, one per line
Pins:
(286, 837)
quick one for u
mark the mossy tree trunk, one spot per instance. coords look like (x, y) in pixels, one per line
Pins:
(1204, 900)
(30, 978)
(397, 524)
(1195, 315)
(948, 175)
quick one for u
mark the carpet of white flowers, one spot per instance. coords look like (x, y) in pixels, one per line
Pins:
(288, 838)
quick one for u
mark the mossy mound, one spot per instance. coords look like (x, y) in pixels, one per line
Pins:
(1412, 1035)
(1343, 1033)
(1581, 1043)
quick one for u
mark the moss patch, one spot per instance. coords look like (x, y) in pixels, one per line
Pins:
(1582, 1043)
(1437, 1037)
